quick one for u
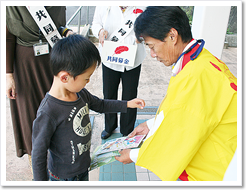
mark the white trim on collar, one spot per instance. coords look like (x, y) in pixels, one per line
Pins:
(178, 65)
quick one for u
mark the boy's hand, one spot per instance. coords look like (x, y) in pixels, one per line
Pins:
(136, 103)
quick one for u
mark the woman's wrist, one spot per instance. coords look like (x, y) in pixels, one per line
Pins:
(64, 31)
(100, 31)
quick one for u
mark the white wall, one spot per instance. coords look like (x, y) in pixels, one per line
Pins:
(210, 23)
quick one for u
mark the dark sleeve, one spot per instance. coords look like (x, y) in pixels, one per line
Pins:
(103, 105)
(58, 15)
(43, 129)
(10, 51)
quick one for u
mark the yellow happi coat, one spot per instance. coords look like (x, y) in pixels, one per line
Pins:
(198, 135)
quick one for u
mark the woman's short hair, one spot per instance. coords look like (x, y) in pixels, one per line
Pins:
(74, 54)
(156, 22)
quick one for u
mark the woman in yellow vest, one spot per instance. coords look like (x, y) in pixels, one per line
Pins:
(194, 134)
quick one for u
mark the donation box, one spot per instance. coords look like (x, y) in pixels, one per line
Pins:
(118, 53)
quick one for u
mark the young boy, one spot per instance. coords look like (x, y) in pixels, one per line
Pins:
(63, 125)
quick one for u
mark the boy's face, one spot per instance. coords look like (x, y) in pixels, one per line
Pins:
(80, 81)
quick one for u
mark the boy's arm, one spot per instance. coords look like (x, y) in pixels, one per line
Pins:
(110, 106)
(41, 135)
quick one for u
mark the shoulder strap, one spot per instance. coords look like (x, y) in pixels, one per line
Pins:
(45, 23)
(120, 33)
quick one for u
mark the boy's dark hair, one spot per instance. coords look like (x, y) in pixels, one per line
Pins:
(156, 22)
(73, 54)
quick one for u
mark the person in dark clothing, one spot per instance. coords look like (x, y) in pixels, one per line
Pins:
(62, 125)
(107, 21)
(28, 77)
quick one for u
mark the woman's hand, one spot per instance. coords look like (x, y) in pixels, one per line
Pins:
(10, 86)
(70, 32)
(103, 34)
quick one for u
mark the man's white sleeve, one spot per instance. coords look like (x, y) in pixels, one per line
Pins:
(150, 122)
(134, 154)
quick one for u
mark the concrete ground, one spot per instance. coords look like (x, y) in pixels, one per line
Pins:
(153, 84)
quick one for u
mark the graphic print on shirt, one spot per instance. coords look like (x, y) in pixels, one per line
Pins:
(81, 127)
(72, 113)
(84, 147)
(73, 152)
(77, 122)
